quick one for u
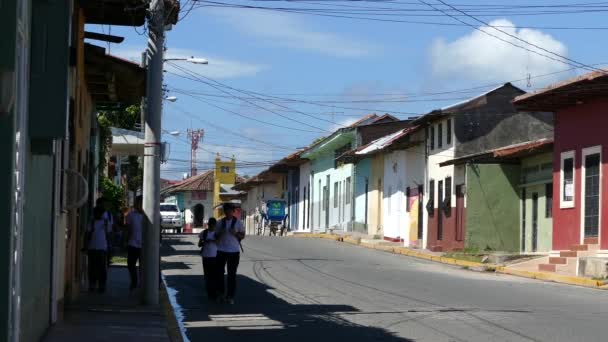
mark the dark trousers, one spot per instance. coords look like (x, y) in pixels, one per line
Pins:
(212, 275)
(98, 273)
(232, 261)
(133, 255)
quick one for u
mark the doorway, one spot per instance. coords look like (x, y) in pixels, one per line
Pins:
(199, 215)
(534, 221)
(460, 215)
(440, 211)
(591, 205)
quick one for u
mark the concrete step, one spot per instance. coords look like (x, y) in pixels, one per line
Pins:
(593, 247)
(579, 247)
(591, 241)
(558, 260)
(568, 254)
(547, 267)
(436, 249)
(569, 268)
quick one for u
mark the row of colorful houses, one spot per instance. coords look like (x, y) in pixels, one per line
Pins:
(479, 175)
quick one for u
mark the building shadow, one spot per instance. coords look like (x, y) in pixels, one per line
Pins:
(263, 313)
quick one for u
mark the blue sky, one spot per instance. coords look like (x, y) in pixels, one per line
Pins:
(324, 72)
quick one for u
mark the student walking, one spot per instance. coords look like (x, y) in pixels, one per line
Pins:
(135, 224)
(97, 246)
(208, 244)
(229, 233)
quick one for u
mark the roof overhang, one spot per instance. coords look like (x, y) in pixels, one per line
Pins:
(113, 81)
(124, 12)
(126, 142)
(564, 94)
(505, 154)
(336, 140)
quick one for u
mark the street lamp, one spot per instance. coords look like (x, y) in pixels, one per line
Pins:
(190, 59)
(171, 98)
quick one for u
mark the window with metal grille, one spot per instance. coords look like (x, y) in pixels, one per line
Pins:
(447, 202)
(407, 199)
(592, 194)
(430, 205)
(549, 200)
(567, 179)
(336, 196)
(440, 135)
(448, 132)
(347, 190)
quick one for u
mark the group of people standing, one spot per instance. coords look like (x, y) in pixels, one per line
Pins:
(221, 249)
(100, 242)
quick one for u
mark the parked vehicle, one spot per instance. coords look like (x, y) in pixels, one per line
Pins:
(276, 216)
(171, 217)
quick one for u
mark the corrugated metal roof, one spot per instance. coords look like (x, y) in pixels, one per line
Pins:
(384, 142)
(566, 93)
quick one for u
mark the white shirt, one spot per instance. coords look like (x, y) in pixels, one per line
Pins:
(135, 220)
(209, 245)
(98, 230)
(228, 242)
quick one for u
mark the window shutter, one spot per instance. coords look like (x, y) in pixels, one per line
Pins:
(50, 55)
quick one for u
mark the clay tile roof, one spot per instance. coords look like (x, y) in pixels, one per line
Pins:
(202, 182)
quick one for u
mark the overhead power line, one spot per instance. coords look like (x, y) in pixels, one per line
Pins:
(563, 59)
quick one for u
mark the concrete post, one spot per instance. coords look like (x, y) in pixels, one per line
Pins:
(152, 150)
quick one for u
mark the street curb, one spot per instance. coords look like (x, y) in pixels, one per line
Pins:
(558, 278)
(397, 250)
(175, 334)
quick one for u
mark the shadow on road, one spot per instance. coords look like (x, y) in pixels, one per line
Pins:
(261, 315)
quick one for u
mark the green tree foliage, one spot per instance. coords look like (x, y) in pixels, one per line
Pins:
(126, 119)
(113, 193)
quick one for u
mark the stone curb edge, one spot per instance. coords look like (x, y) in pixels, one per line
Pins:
(175, 334)
(558, 278)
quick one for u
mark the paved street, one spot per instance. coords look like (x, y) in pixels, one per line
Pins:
(295, 289)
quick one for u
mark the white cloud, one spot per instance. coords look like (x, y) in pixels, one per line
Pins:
(284, 30)
(480, 57)
(218, 67)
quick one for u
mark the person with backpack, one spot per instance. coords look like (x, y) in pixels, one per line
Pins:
(97, 237)
(208, 245)
(229, 233)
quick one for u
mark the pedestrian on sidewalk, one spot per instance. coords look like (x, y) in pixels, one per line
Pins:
(106, 205)
(135, 224)
(97, 237)
(208, 244)
(229, 233)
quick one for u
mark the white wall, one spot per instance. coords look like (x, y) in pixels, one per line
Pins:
(393, 207)
(340, 215)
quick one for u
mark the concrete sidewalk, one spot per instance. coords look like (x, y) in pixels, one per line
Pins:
(113, 316)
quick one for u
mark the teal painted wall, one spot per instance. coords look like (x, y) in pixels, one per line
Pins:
(492, 213)
(362, 170)
(37, 241)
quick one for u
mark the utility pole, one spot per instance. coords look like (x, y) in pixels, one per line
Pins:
(196, 136)
(152, 150)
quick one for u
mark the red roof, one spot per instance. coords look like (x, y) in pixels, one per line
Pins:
(567, 93)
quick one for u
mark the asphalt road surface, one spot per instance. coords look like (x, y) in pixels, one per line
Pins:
(296, 289)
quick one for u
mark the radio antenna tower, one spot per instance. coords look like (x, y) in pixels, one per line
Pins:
(196, 136)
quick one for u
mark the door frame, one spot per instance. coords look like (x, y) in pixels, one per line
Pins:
(534, 222)
(460, 215)
(585, 152)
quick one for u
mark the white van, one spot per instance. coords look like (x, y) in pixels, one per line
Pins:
(171, 217)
